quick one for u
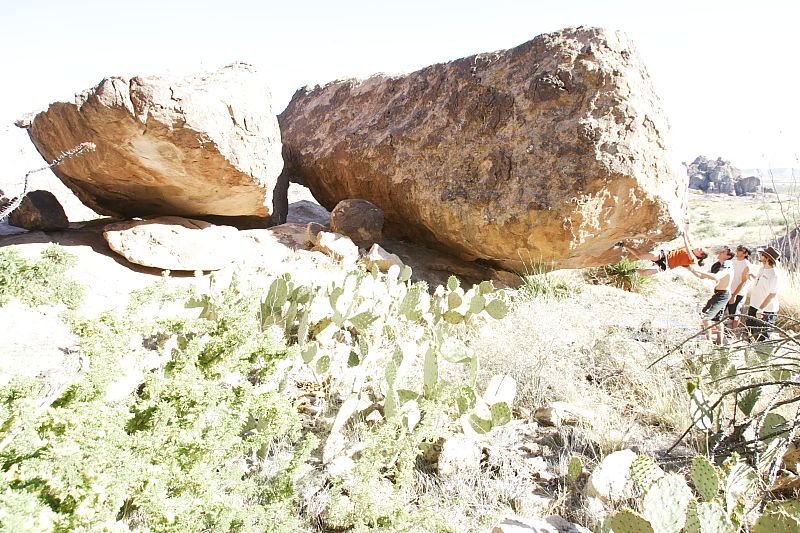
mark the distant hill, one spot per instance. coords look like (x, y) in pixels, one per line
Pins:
(777, 173)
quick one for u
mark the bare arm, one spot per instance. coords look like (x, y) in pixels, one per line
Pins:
(687, 243)
(700, 274)
(766, 301)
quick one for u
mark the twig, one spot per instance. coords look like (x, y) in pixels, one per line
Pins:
(17, 200)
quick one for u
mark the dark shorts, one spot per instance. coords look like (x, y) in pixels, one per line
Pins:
(737, 307)
(715, 304)
(759, 328)
(662, 260)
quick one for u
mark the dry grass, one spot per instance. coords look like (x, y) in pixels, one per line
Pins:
(592, 350)
(790, 301)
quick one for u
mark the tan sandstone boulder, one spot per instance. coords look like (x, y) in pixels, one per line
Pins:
(200, 145)
(174, 243)
(549, 152)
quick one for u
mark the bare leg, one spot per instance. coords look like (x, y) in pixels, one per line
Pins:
(643, 256)
(709, 331)
(720, 332)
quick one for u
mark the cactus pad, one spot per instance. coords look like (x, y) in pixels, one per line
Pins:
(627, 521)
(645, 472)
(666, 502)
(705, 478)
(574, 469)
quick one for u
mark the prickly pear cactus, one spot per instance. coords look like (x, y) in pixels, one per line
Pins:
(574, 469)
(645, 472)
(776, 522)
(707, 517)
(666, 502)
(627, 521)
(705, 478)
(497, 309)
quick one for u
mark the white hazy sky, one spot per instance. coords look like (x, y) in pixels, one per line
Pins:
(727, 71)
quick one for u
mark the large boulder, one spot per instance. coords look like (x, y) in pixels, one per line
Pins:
(747, 185)
(549, 152)
(39, 210)
(200, 145)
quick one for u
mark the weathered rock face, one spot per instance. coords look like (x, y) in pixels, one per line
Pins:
(201, 145)
(549, 152)
(39, 210)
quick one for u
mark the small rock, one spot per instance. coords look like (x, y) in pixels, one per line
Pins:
(532, 504)
(551, 524)
(611, 480)
(540, 469)
(337, 246)
(305, 211)
(561, 413)
(358, 219)
(381, 258)
(340, 467)
(375, 417)
(312, 230)
(505, 279)
(532, 448)
(39, 210)
(460, 453)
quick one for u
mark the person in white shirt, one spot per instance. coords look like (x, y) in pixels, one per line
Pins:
(764, 295)
(742, 272)
(722, 278)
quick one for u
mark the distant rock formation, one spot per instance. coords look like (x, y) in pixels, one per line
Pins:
(194, 146)
(720, 177)
(550, 152)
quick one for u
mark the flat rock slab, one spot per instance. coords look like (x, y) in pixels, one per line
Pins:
(201, 145)
(547, 153)
(174, 243)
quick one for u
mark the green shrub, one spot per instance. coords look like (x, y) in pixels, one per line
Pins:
(41, 282)
(622, 275)
(181, 451)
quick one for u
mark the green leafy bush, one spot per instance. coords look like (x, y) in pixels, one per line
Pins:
(182, 450)
(622, 275)
(41, 282)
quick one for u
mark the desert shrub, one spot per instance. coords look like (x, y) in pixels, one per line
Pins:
(622, 275)
(183, 422)
(181, 449)
(538, 282)
(743, 400)
(39, 282)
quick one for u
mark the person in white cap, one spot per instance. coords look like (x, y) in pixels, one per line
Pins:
(764, 301)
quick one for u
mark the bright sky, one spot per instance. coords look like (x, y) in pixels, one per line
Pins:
(727, 71)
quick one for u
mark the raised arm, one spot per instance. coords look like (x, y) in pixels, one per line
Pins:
(688, 243)
(700, 274)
